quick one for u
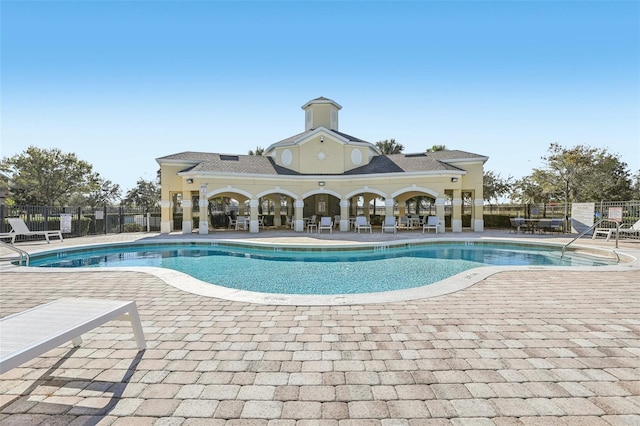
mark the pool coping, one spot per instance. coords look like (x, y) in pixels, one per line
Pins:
(449, 285)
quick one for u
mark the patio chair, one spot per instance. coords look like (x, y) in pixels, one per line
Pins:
(389, 223)
(630, 230)
(325, 223)
(557, 225)
(312, 225)
(31, 333)
(336, 220)
(242, 222)
(516, 223)
(232, 222)
(361, 223)
(20, 228)
(433, 222)
(544, 225)
(403, 222)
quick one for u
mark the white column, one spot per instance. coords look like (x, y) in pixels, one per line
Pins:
(254, 226)
(388, 206)
(166, 224)
(299, 214)
(440, 213)
(344, 215)
(203, 226)
(456, 211)
(478, 216)
(276, 213)
(187, 225)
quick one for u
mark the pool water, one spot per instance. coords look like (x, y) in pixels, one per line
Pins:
(314, 272)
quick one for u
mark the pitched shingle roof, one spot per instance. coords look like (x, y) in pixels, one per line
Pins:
(264, 165)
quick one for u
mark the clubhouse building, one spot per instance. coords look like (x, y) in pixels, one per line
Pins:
(321, 172)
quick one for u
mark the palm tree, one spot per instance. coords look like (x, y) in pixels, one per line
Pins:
(389, 146)
(259, 150)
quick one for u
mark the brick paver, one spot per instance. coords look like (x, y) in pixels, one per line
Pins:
(521, 347)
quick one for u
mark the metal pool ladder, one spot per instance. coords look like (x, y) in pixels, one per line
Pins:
(24, 256)
(591, 228)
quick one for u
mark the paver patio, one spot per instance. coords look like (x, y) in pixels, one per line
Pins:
(520, 347)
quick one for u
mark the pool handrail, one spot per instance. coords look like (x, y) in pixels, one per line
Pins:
(591, 228)
(24, 256)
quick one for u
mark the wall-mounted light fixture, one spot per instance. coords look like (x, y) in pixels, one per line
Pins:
(321, 139)
(454, 179)
(321, 183)
(203, 189)
(189, 181)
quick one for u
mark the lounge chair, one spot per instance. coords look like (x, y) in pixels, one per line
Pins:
(389, 223)
(433, 222)
(325, 223)
(20, 228)
(31, 333)
(630, 230)
(361, 223)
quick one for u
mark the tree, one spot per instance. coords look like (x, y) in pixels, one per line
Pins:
(259, 151)
(576, 174)
(494, 186)
(46, 176)
(435, 148)
(389, 146)
(583, 173)
(100, 193)
(146, 194)
(103, 192)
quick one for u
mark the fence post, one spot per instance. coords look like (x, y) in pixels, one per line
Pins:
(104, 220)
(45, 217)
(121, 219)
(79, 230)
(2, 215)
(148, 222)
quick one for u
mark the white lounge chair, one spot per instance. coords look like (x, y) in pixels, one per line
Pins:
(389, 224)
(433, 222)
(31, 333)
(630, 230)
(627, 230)
(20, 228)
(325, 223)
(361, 223)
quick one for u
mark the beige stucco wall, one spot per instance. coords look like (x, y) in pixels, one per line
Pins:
(394, 186)
(322, 154)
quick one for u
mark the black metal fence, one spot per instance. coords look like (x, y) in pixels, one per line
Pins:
(81, 221)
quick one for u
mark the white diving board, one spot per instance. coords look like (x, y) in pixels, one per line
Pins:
(31, 333)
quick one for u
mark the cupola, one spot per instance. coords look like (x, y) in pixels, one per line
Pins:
(321, 112)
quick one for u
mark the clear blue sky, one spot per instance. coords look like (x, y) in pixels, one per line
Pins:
(121, 83)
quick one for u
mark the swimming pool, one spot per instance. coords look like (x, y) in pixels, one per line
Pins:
(317, 270)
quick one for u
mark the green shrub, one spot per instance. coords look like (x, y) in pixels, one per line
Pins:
(133, 227)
